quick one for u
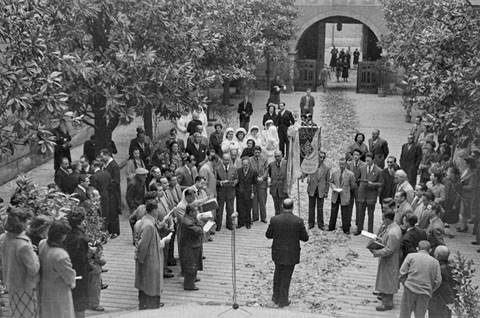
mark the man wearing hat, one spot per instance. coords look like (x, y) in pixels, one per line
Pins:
(286, 230)
(144, 144)
(136, 189)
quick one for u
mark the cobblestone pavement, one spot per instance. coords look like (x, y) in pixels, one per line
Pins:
(355, 281)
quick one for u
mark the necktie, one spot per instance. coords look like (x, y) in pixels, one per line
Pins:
(226, 168)
(245, 171)
(341, 177)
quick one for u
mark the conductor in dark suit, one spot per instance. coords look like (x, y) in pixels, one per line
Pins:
(247, 178)
(307, 103)
(410, 159)
(285, 120)
(286, 230)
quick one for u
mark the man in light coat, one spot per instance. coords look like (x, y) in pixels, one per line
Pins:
(149, 260)
(318, 186)
(388, 260)
(342, 181)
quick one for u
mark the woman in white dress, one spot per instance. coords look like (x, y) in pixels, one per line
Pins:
(202, 116)
(240, 135)
(271, 140)
(254, 133)
(229, 142)
(182, 124)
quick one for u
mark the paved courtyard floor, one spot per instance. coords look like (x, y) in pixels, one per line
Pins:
(337, 273)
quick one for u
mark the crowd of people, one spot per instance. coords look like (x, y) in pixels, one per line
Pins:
(171, 187)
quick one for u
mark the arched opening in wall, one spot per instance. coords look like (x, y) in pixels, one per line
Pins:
(332, 43)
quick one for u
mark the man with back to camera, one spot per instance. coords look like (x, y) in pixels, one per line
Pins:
(286, 230)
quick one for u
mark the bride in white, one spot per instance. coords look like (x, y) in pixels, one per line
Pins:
(271, 140)
(229, 142)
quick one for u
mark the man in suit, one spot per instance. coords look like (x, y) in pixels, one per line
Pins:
(102, 181)
(318, 185)
(245, 110)
(277, 170)
(285, 120)
(187, 173)
(403, 184)
(144, 144)
(286, 230)
(307, 103)
(203, 140)
(412, 236)
(388, 179)
(136, 189)
(410, 159)
(62, 175)
(402, 207)
(354, 166)
(417, 129)
(342, 181)
(87, 167)
(247, 178)
(227, 179)
(260, 165)
(197, 149)
(114, 193)
(370, 182)
(436, 228)
(80, 191)
(174, 192)
(421, 276)
(209, 172)
(379, 148)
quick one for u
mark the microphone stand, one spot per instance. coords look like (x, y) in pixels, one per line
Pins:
(235, 305)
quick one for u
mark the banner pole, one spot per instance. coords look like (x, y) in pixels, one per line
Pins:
(298, 196)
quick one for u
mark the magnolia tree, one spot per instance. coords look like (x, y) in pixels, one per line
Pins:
(436, 41)
(112, 60)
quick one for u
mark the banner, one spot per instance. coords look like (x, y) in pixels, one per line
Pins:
(309, 144)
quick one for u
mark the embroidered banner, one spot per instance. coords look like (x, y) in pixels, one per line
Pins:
(309, 139)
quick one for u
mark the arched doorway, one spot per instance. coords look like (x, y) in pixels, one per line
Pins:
(313, 51)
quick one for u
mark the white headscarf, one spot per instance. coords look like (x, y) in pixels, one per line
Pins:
(242, 144)
(227, 144)
(258, 138)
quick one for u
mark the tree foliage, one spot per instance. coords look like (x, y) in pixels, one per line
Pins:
(436, 41)
(112, 60)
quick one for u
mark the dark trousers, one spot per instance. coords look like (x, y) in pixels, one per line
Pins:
(244, 123)
(225, 200)
(318, 202)
(346, 216)
(284, 143)
(113, 221)
(148, 302)
(281, 283)
(360, 219)
(278, 204)
(171, 247)
(244, 211)
(260, 204)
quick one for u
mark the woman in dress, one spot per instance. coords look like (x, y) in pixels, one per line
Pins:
(20, 265)
(358, 144)
(333, 59)
(345, 67)
(453, 197)
(134, 163)
(270, 115)
(271, 141)
(58, 276)
(182, 124)
(255, 135)
(229, 142)
(427, 159)
(76, 245)
(438, 189)
(240, 134)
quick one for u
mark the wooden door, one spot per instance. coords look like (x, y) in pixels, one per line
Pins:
(366, 78)
(307, 75)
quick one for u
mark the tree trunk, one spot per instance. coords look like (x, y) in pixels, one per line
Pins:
(103, 128)
(226, 92)
(147, 121)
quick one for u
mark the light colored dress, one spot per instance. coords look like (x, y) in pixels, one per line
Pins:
(271, 143)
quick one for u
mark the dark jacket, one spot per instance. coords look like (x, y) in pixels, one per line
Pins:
(278, 177)
(76, 245)
(200, 154)
(285, 121)
(62, 179)
(102, 181)
(246, 183)
(192, 126)
(115, 190)
(135, 194)
(145, 152)
(286, 230)
(273, 117)
(410, 241)
(247, 109)
(410, 159)
(80, 194)
(190, 244)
